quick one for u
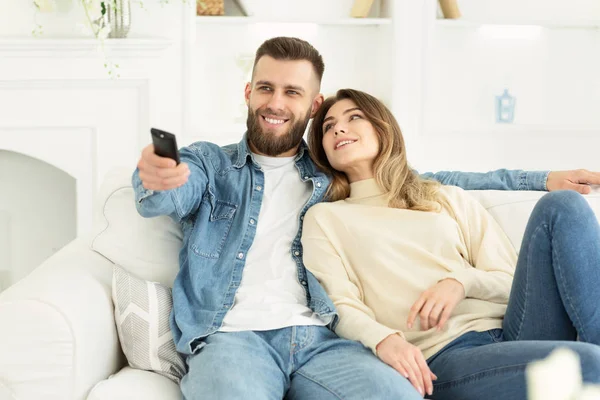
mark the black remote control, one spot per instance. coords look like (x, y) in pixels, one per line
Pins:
(165, 144)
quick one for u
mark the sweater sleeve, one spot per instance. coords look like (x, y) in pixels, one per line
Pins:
(356, 320)
(490, 253)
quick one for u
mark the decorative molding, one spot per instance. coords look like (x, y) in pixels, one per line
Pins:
(141, 85)
(63, 47)
(91, 162)
(62, 83)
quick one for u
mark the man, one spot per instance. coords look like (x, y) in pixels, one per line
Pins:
(253, 323)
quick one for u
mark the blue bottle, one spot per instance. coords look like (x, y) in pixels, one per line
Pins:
(505, 108)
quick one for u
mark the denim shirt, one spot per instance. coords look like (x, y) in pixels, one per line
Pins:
(218, 209)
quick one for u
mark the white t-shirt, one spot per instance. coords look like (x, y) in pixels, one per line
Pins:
(270, 295)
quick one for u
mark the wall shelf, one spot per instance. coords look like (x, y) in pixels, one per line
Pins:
(225, 20)
(515, 129)
(462, 23)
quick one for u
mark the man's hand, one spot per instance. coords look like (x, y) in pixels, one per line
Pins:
(161, 173)
(408, 360)
(436, 304)
(578, 180)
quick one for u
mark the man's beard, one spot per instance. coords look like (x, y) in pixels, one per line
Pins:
(270, 144)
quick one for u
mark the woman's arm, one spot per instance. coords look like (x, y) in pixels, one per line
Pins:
(489, 251)
(357, 321)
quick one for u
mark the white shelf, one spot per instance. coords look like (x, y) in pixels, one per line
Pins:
(462, 23)
(225, 20)
(77, 47)
(516, 129)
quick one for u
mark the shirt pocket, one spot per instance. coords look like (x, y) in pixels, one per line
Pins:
(212, 225)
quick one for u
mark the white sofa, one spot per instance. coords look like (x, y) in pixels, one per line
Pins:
(58, 339)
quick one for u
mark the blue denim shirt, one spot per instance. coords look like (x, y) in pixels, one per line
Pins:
(218, 209)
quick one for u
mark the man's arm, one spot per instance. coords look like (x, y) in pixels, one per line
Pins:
(161, 188)
(502, 179)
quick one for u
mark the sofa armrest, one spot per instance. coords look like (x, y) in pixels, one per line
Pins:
(58, 335)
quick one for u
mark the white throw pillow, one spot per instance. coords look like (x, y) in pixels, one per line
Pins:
(142, 310)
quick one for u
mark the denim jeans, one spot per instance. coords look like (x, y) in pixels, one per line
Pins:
(299, 362)
(553, 301)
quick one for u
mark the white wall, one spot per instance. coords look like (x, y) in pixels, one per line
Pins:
(546, 55)
(222, 66)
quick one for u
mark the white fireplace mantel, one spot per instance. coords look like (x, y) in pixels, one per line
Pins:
(58, 105)
(72, 108)
(145, 47)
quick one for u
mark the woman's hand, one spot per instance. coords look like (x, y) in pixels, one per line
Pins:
(408, 360)
(436, 304)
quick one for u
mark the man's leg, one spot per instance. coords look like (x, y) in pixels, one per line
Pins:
(558, 273)
(332, 368)
(478, 365)
(234, 365)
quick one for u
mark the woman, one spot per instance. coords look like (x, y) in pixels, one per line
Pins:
(422, 274)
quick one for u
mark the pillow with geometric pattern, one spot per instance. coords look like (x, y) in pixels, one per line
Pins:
(142, 311)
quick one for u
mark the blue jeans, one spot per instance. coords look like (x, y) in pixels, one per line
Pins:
(553, 301)
(300, 362)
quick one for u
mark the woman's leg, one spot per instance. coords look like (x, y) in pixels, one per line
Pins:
(478, 365)
(557, 280)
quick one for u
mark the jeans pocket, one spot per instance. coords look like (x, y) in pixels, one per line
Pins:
(497, 335)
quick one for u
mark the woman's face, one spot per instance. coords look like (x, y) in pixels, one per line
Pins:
(350, 141)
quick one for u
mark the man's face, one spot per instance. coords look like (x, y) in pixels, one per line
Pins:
(281, 98)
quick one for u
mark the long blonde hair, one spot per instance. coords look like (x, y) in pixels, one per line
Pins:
(392, 172)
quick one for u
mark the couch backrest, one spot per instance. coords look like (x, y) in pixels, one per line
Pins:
(512, 209)
(149, 247)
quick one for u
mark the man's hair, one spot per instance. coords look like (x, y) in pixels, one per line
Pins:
(291, 49)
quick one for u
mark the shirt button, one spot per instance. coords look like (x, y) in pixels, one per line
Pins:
(240, 255)
(303, 283)
(259, 188)
(318, 184)
(306, 178)
(297, 253)
(302, 218)
(252, 221)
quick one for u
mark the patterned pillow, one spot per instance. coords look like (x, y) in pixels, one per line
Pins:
(142, 310)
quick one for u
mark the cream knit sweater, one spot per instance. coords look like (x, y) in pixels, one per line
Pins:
(375, 261)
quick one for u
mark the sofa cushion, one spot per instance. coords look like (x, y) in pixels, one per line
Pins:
(147, 247)
(134, 384)
(511, 209)
(142, 310)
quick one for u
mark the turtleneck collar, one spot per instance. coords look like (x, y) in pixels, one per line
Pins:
(365, 189)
